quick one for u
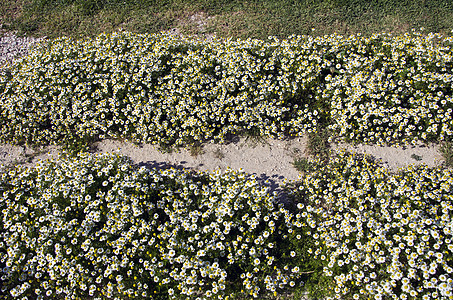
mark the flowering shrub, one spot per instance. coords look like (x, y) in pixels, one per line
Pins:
(95, 226)
(388, 236)
(174, 91)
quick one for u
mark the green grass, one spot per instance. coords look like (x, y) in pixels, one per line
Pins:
(447, 152)
(303, 164)
(196, 150)
(237, 19)
(318, 144)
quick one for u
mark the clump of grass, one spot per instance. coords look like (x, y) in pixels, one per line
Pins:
(164, 148)
(219, 154)
(447, 152)
(318, 144)
(416, 157)
(254, 138)
(303, 164)
(90, 7)
(196, 150)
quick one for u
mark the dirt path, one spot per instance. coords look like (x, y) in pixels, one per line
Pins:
(268, 159)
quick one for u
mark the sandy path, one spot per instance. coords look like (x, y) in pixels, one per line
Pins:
(269, 159)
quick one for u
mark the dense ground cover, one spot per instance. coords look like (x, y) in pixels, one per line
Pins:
(380, 235)
(96, 226)
(174, 91)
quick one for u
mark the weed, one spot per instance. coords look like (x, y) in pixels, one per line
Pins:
(318, 143)
(219, 154)
(416, 157)
(302, 164)
(196, 150)
(253, 138)
(165, 148)
(447, 152)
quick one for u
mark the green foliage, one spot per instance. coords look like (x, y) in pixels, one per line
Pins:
(303, 164)
(90, 7)
(446, 149)
(253, 138)
(30, 26)
(196, 150)
(318, 144)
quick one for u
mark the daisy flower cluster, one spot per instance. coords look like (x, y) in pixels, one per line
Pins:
(374, 234)
(175, 91)
(393, 90)
(96, 226)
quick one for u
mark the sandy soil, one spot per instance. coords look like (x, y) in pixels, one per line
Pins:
(269, 159)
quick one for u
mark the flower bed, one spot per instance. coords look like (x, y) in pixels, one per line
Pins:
(176, 91)
(96, 226)
(375, 234)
